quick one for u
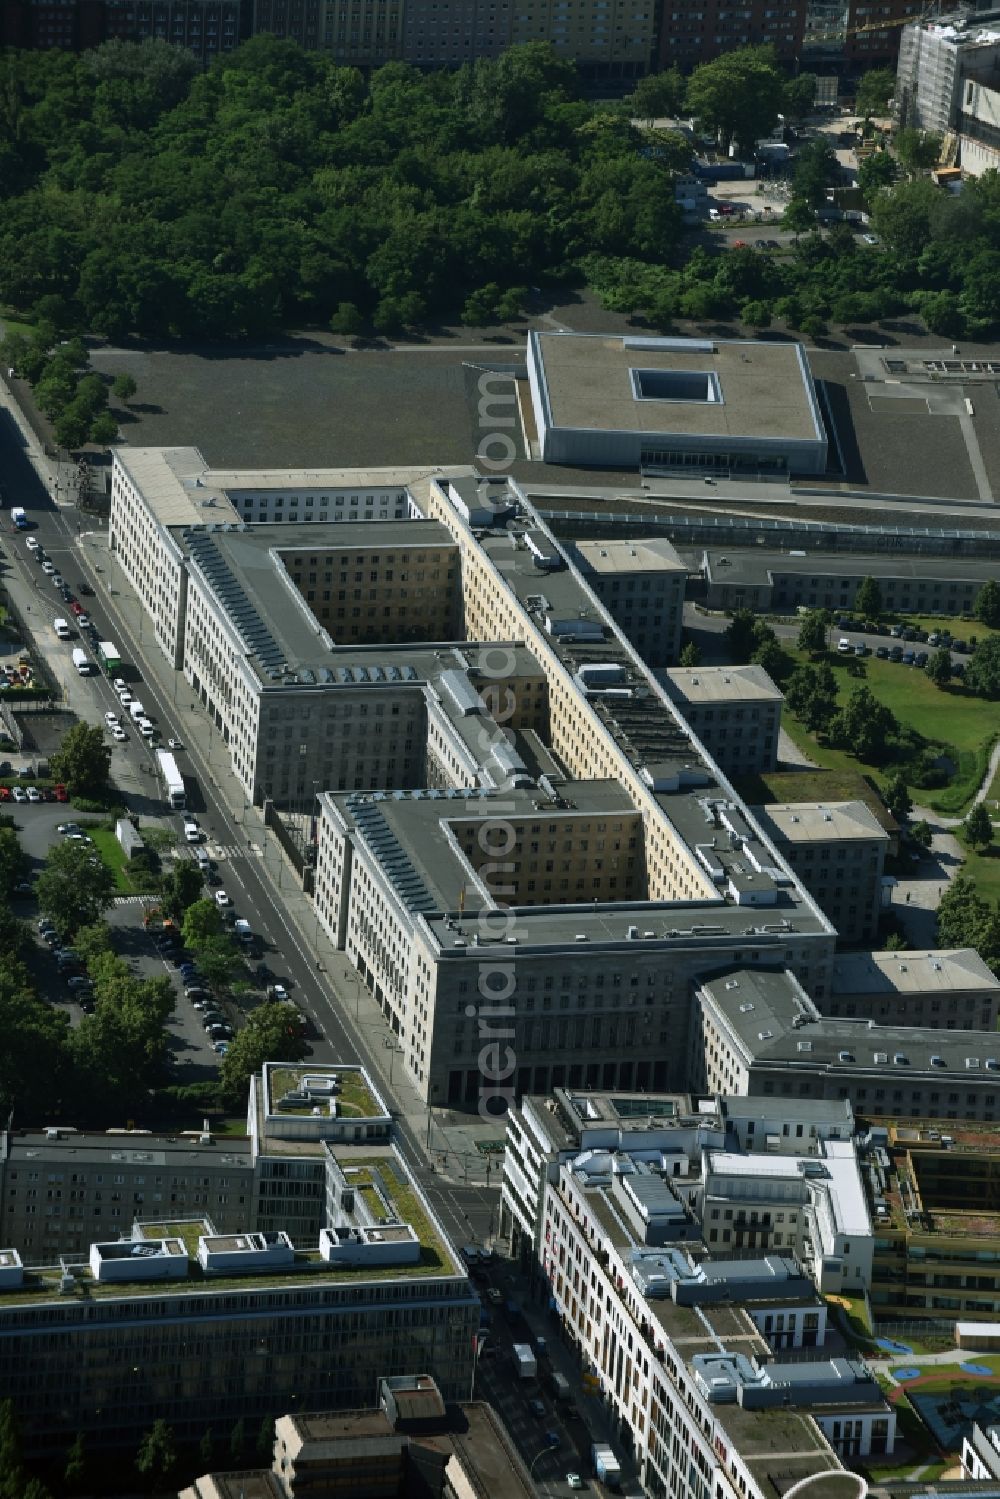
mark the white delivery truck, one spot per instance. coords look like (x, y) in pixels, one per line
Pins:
(82, 662)
(62, 629)
(136, 710)
(527, 1366)
(173, 781)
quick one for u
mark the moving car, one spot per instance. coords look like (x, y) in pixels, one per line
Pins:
(111, 717)
(222, 899)
(48, 567)
(277, 992)
(118, 733)
(192, 832)
(574, 1481)
(537, 1407)
(844, 646)
(32, 543)
(174, 744)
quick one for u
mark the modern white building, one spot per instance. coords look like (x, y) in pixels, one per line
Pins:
(690, 1357)
(712, 405)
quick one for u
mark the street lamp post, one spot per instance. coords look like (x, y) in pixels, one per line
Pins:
(390, 1046)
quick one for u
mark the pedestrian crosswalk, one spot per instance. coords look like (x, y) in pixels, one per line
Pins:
(234, 851)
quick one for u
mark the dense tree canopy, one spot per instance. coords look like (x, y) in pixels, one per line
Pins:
(278, 187)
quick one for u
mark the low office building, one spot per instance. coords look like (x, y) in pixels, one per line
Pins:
(61, 1188)
(785, 581)
(933, 1197)
(941, 990)
(838, 850)
(224, 1328)
(681, 404)
(641, 583)
(412, 1442)
(734, 710)
(687, 1365)
(761, 1034)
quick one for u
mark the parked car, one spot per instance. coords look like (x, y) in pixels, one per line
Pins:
(921, 658)
(882, 652)
(909, 657)
(277, 992)
(18, 794)
(221, 1048)
(33, 794)
(896, 654)
(84, 587)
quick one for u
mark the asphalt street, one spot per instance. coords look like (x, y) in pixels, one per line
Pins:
(466, 1211)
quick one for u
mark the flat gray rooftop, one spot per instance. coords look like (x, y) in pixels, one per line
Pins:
(937, 972)
(230, 1152)
(766, 388)
(762, 1007)
(752, 565)
(244, 570)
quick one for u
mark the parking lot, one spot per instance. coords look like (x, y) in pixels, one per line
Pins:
(194, 1058)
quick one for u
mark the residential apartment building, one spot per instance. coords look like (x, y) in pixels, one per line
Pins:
(838, 850)
(208, 28)
(936, 57)
(762, 1035)
(609, 40)
(759, 580)
(641, 584)
(719, 1173)
(695, 31)
(734, 710)
(635, 868)
(688, 1357)
(199, 1328)
(940, 990)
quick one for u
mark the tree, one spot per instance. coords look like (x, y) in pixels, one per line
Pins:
(896, 796)
(94, 942)
(868, 599)
(347, 320)
(771, 658)
(271, 1034)
(918, 150)
(921, 835)
(11, 861)
(811, 694)
(206, 1448)
(103, 429)
(963, 917)
(864, 726)
(813, 632)
(72, 430)
(978, 827)
(181, 888)
(265, 1441)
(938, 667)
(799, 217)
(756, 313)
(874, 91)
(691, 654)
(76, 887)
(83, 760)
(982, 672)
(657, 95)
(876, 173)
(737, 96)
(987, 605)
(739, 635)
(124, 387)
(202, 922)
(815, 170)
(798, 96)
(218, 959)
(75, 1471)
(896, 942)
(157, 1454)
(238, 1441)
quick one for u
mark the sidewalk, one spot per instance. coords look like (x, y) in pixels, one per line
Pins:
(446, 1133)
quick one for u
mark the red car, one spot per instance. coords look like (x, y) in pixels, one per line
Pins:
(76, 608)
(4, 793)
(60, 793)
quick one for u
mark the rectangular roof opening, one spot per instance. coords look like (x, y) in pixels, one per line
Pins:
(700, 386)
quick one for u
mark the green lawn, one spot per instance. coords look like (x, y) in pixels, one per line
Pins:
(960, 723)
(14, 325)
(111, 852)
